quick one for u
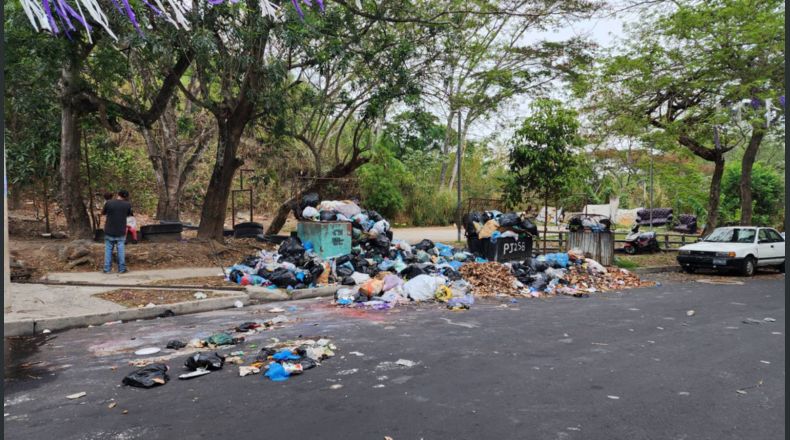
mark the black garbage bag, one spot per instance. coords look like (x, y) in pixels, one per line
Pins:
(450, 273)
(175, 344)
(148, 376)
(264, 354)
(315, 268)
(382, 243)
(343, 259)
(235, 275)
(247, 326)
(374, 216)
(207, 361)
(412, 271)
(343, 271)
(307, 363)
(328, 216)
(539, 281)
(469, 221)
(529, 227)
(250, 261)
(348, 281)
(309, 199)
(282, 278)
(509, 220)
(424, 245)
(538, 266)
(575, 224)
(292, 250)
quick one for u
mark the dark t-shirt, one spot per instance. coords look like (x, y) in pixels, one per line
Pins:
(116, 212)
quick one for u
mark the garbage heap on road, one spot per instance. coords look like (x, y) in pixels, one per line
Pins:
(380, 272)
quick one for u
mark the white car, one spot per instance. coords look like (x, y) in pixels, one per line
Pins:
(742, 248)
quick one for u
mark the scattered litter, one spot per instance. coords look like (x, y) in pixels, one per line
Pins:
(347, 372)
(113, 322)
(197, 373)
(175, 344)
(776, 333)
(150, 305)
(238, 304)
(247, 370)
(112, 405)
(148, 350)
(77, 395)
(573, 428)
(691, 313)
(381, 385)
(660, 328)
(147, 376)
(126, 411)
(614, 397)
(46, 331)
(769, 319)
(406, 363)
(683, 393)
(276, 310)
(336, 386)
(200, 295)
(740, 391)
(209, 361)
(766, 362)
(356, 353)
(752, 321)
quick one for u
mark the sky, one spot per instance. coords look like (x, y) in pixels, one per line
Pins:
(603, 31)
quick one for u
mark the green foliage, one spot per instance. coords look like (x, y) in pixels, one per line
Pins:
(383, 181)
(543, 158)
(115, 167)
(767, 195)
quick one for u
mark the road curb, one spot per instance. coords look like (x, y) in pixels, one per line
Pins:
(28, 327)
(655, 269)
(264, 294)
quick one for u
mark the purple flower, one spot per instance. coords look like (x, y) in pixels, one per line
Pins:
(756, 103)
(782, 101)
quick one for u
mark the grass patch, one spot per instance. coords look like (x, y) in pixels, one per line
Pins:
(625, 263)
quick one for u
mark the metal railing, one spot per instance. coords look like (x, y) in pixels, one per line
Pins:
(557, 241)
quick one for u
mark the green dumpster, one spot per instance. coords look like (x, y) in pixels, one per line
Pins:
(329, 239)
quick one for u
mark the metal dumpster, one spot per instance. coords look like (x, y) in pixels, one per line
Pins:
(504, 249)
(329, 239)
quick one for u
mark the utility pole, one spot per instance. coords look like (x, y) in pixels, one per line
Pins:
(6, 259)
(651, 186)
(458, 174)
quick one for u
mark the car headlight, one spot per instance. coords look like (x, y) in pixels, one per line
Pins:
(725, 254)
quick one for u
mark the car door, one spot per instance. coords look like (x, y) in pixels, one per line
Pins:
(769, 251)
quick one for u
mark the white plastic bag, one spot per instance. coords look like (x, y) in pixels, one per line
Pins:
(594, 267)
(131, 221)
(360, 278)
(422, 287)
(311, 213)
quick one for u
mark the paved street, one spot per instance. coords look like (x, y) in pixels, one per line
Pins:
(628, 365)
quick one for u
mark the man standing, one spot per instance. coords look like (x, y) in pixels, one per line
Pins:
(116, 212)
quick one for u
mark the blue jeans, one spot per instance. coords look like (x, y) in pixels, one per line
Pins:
(109, 243)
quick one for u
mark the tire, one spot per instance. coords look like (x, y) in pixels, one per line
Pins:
(748, 267)
(689, 269)
(247, 232)
(168, 228)
(781, 268)
(630, 250)
(248, 225)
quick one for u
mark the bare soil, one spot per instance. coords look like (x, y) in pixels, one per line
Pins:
(203, 282)
(141, 297)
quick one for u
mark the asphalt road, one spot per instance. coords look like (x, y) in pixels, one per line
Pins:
(628, 365)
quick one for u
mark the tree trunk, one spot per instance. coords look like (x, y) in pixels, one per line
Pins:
(215, 204)
(463, 149)
(446, 148)
(46, 205)
(747, 163)
(714, 196)
(73, 206)
(169, 199)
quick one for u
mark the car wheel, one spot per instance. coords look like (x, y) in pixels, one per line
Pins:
(781, 268)
(689, 269)
(630, 250)
(748, 267)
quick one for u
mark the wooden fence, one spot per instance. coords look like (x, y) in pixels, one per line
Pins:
(557, 241)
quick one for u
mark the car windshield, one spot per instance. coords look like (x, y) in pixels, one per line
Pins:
(731, 235)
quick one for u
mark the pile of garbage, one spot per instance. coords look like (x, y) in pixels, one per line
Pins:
(494, 224)
(365, 224)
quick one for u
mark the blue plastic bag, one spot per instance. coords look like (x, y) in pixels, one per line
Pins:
(285, 355)
(455, 265)
(277, 373)
(559, 259)
(444, 250)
